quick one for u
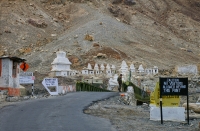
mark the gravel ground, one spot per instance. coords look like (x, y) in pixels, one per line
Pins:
(135, 118)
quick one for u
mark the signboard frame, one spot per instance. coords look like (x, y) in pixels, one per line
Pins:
(173, 86)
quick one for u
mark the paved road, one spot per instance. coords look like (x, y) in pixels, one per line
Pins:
(61, 113)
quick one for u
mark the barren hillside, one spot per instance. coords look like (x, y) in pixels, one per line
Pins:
(164, 33)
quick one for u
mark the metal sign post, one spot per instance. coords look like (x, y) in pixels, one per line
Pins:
(32, 90)
(173, 86)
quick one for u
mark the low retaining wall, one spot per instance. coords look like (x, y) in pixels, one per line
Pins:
(11, 91)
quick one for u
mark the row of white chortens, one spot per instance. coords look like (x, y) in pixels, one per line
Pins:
(61, 67)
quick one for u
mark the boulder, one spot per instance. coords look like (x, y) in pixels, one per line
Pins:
(37, 23)
(192, 106)
(89, 38)
(22, 90)
(96, 45)
(101, 55)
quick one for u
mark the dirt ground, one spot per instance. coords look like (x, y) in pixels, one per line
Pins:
(150, 32)
(135, 118)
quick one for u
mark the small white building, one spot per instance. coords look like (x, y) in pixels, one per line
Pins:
(84, 71)
(148, 71)
(155, 70)
(61, 65)
(9, 74)
(151, 71)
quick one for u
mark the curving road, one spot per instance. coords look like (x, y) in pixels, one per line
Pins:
(62, 113)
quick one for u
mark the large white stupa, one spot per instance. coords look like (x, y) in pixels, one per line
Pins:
(61, 64)
(124, 68)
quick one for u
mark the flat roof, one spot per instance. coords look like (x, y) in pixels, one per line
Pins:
(14, 58)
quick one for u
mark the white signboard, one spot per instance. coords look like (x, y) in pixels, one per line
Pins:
(51, 82)
(26, 74)
(26, 79)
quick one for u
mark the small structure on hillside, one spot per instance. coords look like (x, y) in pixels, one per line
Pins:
(9, 74)
(113, 69)
(132, 68)
(124, 68)
(155, 70)
(96, 69)
(108, 70)
(102, 67)
(90, 70)
(61, 65)
(84, 71)
(141, 69)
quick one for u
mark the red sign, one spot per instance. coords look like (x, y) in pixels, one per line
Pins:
(24, 66)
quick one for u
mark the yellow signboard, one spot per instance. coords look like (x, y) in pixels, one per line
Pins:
(167, 101)
(152, 100)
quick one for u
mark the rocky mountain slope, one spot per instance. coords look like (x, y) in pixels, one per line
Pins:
(161, 33)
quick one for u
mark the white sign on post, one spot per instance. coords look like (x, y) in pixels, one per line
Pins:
(51, 82)
(26, 78)
(26, 73)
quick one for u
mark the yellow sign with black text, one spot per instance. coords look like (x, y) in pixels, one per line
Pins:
(167, 101)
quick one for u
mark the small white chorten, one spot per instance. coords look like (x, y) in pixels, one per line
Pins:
(90, 70)
(140, 69)
(102, 67)
(108, 70)
(96, 68)
(113, 69)
(132, 68)
(89, 67)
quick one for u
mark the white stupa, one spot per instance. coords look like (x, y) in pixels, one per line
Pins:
(89, 67)
(108, 67)
(132, 68)
(113, 69)
(124, 68)
(140, 69)
(102, 67)
(90, 70)
(61, 64)
(96, 69)
(108, 70)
